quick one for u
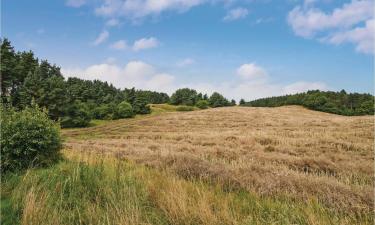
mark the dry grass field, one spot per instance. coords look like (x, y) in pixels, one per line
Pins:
(288, 152)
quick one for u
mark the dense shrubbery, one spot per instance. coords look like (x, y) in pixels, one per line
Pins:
(202, 104)
(76, 114)
(326, 101)
(217, 100)
(124, 110)
(190, 97)
(184, 96)
(28, 138)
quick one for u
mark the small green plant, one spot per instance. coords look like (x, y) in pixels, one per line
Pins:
(202, 104)
(28, 138)
(184, 108)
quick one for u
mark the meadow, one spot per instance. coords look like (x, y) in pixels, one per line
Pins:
(230, 165)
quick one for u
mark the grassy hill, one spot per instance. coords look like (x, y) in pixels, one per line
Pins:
(232, 165)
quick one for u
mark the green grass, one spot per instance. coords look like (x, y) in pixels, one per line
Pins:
(89, 190)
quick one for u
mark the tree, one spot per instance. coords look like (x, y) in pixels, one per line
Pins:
(8, 73)
(217, 100)
(184, 96)
(140, 106)
(233, 102)
(202, 104)
(75, 115)
(242, 101)
(28, 138)
(124, 110)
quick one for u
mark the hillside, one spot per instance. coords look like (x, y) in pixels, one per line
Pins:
(342, 103)
(231, 165)
(270, 151)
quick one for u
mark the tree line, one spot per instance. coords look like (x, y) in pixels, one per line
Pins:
(342, 103)
(26, 80)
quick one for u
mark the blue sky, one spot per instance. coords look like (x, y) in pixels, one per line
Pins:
(243, 49)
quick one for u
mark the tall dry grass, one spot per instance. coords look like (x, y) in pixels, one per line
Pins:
(287, 151)
(97, 190)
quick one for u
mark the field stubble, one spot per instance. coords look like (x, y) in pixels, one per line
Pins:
(286, 151)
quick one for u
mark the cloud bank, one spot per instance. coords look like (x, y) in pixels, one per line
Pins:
(351, 23)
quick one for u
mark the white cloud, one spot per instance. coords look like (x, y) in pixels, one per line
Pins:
(342, 25)
(134, 74)
(363, 37)
(145, 43)
(112, 22)
(303, 86)
(139, 9)
(119, 45)
(75, 3)
(103, 36)
(145, 76)
(251, 71)
(185, 62)
(235, 14)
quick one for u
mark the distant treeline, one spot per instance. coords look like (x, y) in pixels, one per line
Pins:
(25, 80)
(342, 103)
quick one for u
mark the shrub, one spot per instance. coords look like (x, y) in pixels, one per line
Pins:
(76, 115)
(141, 106)
(28, 138)
(124, 110)
(185, 108)
(184, 96)
(202, 104)
(217, 100)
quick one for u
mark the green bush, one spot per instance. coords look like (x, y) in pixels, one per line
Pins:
(185, 108)
(76, 115)
(28, 138)
(124, 110)
(202, 104)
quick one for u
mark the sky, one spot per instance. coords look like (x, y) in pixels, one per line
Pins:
(241, 48)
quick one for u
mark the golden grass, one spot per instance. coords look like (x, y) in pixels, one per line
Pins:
(286, 151)
(96, 189)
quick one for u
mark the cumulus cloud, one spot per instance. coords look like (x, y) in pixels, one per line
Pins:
(138, 9)
(302, 86)
(343, 24)
(112, 22)
(119, 45)
(75, 3)
(145, 76)
(251, 71)
(138, 45)
(134, 74)
(185, 62)
(103, 36)
(145, 43)
(363, 37)
(235, 14)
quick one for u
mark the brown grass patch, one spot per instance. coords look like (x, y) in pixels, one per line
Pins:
(271, 151)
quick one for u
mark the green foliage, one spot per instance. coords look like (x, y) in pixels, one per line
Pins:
(184, 96)
(75, 115)
(184, 108)
(140, 106)
(202, 104)
(124, 110)
(217, 100)
(327, 101)
(73, 101)
(242, 101)
(28, 138)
